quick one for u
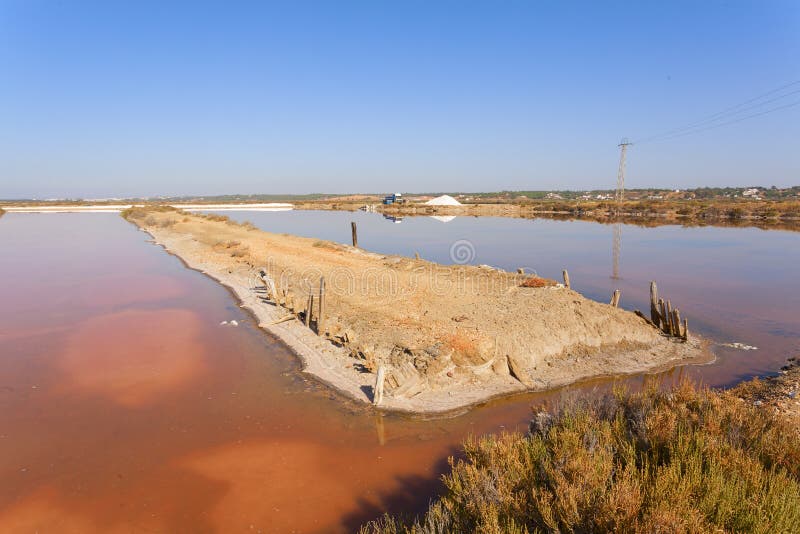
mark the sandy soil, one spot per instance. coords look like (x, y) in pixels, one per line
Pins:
(446, 336)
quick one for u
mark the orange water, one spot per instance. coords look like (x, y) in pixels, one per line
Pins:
(126, 406)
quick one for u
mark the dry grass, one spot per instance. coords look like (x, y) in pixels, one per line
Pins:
(216, 218)
(139, 212)
(685, 460)
(232, 247)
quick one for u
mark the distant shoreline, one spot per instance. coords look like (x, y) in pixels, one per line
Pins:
(765, 214)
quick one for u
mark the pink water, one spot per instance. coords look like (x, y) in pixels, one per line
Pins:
(125, 406)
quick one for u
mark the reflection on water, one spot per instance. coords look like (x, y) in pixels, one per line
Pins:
(124, 405)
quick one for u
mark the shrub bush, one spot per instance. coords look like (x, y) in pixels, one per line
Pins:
(684, 460)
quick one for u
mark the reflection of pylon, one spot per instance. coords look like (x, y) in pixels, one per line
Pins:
(617, 248)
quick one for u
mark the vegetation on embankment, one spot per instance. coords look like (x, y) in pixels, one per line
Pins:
(683, 460)
(739, 212)
(775, 209)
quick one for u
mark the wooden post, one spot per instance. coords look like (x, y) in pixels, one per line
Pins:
(416, 255)
(321, 308)
(662, 306)
(615, 298)
(676, 320)
(566, 278)
(670, 326)
(355, 233)
(377, 391)
(654, 302)
(309, 307)
(685, 329)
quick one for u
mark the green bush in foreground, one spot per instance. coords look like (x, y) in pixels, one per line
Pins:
(684, 460)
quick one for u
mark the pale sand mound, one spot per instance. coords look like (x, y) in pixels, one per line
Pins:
(447, 336)
(444, 200)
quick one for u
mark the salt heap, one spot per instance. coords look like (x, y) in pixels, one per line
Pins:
(444, 200)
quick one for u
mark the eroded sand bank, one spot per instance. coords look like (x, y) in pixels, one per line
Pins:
(447, 336)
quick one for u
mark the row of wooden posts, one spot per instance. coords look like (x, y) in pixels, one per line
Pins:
(665, 317)
(272, 292)
(380, 377)
(662, 314)
(320, 307)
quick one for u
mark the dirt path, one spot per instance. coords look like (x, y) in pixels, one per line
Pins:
(446, 336)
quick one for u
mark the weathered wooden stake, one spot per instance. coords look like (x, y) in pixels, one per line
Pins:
(676, 320)
(309, 307)
(662, 306)
(654, 302)
(566, 278)
(355, 233)
(615, 298)
(321, 308)
(670, 326)
(377, 391)
(416, 255)
(686, 329)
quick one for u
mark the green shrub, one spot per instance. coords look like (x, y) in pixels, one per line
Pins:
(683, 460)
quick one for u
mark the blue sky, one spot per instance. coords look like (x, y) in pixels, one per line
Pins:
(113, 98)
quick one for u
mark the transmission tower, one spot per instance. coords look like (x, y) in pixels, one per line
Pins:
(623, 145)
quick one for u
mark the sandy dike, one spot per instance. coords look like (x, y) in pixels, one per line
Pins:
(448, 337)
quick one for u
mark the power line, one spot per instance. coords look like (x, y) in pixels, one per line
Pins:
(732, 111)
(719, 118)
(740, 119)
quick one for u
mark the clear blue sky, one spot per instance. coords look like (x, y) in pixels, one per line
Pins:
(114, 98)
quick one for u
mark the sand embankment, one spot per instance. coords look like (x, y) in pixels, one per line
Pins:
(447, 336)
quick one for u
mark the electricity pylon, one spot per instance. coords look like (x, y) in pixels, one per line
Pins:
(623, 145)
